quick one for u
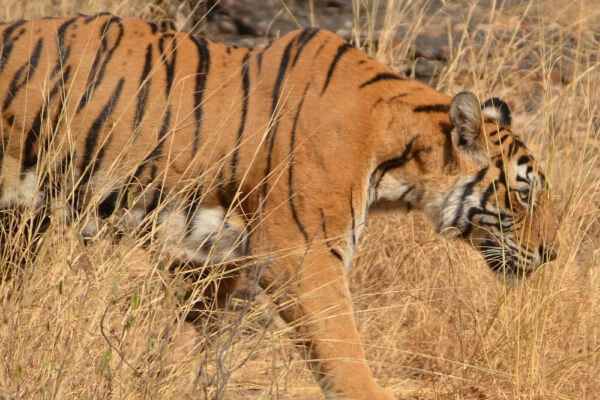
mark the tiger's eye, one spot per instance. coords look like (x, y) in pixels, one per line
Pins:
(524, 194)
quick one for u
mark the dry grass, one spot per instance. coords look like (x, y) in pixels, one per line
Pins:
(103, 320)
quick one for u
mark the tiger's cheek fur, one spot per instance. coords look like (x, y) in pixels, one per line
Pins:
(536, 229)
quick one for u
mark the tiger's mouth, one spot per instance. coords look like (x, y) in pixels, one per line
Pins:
(506, 261)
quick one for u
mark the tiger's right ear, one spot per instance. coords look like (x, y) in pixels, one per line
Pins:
(466, 116)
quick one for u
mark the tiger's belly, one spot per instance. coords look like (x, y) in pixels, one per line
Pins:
(190, 231)
(211, 234)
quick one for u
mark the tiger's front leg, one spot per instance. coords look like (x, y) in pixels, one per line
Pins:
(316, 301)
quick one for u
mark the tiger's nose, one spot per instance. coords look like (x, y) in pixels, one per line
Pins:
(547, 254)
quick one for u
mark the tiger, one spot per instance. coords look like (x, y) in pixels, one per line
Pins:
(274, 154)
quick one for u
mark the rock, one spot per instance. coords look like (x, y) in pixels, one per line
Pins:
(334, 4)
(426, 69)
(346, 34)
(246, 27)
(431, 47)
(226, 26)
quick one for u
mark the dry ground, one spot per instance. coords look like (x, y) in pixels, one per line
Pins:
(102, 321)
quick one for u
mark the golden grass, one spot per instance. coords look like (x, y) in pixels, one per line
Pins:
(103, 320)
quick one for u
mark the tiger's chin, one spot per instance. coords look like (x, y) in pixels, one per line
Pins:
(508, 268)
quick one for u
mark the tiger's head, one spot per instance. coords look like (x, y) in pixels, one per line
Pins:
(504, 207)
(473, 176)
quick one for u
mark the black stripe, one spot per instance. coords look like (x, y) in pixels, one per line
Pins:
(201, 75)
(29, 153)
(384, 76)
(101, 59)
(143, 91)
(524, 159)
(521, 179)
(62, 52)
(156, 151)
(336, 254)
(279, 79)
(275, 99)
(502, 140)
(392, 163)
(291, 167)
(399, 95)
(409, 189)
(8, 42)
(482, 211)
(491, 189)
(222, 195)
(3, 144)
(153, 27)
(446, 129)
(259, 57)
(514, 146)
(378, 102)
(340, 52)
(66, 163)
(151, 157)
(493, 133)
(502, 179)
(168, 60)
(468, 190)
(21, 77)
(96, 16)
(474, 212)
(158, 193)
(305, 37)
(64, 76)
(191, 209)
(321, 47)
(89, 161)
(238, 139)
(324, 226)
(353, 219)
(432, 108)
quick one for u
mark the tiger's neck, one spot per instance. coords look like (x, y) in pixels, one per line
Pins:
(444, 199)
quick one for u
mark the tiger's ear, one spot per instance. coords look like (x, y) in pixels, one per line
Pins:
(466, 116)
(497, 109)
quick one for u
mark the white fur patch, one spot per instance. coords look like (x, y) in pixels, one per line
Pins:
(492, 112)
(212, 236)
(451, 206)
(25, 192)
(394, 189)
(206, 222)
